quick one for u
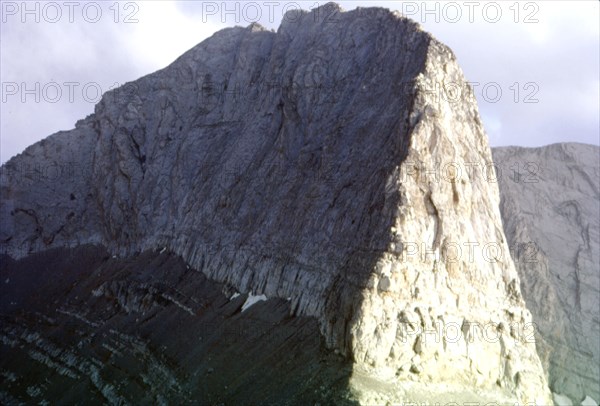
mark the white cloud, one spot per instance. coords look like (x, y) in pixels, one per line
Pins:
(164, 32)
(560, 54)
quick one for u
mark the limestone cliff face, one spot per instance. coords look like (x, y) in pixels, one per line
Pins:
(445, 224)
(299, 164)
(550, 206)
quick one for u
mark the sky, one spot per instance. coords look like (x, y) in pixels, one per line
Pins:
(534, 65)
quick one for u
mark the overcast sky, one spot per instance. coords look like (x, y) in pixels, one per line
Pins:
(57, 57)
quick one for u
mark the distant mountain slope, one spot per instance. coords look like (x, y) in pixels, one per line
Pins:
(550, 204)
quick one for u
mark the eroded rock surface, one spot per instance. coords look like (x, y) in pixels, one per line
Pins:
(550, 207)
(299, 164)
(80, 326)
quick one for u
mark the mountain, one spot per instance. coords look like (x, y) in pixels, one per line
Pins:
(302, 164)
(79, 325)
(550, 205)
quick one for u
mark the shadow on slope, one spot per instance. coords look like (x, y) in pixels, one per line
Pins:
(78, 325)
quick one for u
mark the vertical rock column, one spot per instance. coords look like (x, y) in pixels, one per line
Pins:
(443, 303)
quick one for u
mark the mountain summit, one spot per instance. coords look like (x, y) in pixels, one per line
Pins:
(303, 165)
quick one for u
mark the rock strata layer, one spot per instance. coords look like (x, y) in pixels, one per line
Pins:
(80, 326)
(304, 164)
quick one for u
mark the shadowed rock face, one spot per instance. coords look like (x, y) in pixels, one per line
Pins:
(78, 325)
(550, 205)
(296, 164)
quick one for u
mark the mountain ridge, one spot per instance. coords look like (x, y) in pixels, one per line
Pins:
(303, 194)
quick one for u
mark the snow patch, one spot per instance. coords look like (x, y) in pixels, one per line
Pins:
(252, 300)
(588, 401)
(236, 294)
(561, 400)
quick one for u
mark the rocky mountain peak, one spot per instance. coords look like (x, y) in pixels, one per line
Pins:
(298, 164)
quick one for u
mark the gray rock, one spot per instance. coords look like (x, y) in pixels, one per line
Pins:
(550, 205)
(65, 339)
(303, 164)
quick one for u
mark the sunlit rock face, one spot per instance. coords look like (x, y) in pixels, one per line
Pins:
(550, 205)
(305, 164)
